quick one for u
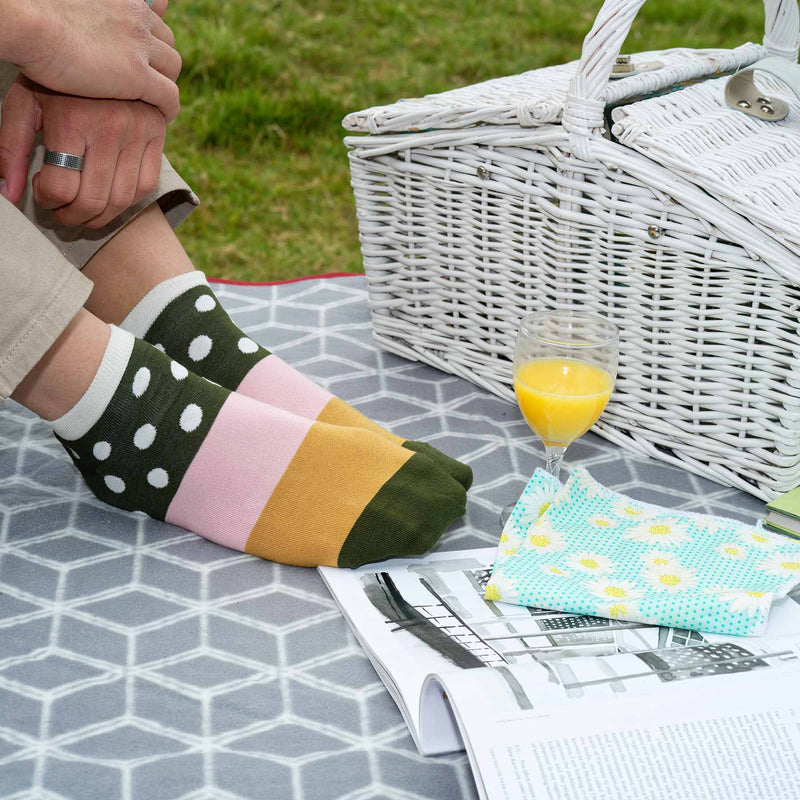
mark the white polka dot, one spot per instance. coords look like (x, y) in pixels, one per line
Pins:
(160, 347)
(101, 451)
(204, 303)
(158, 477)
(141, 380)
(73, 453)
(179, 372)
(191, 417)
(200, 347)
(117, 485)
(145, 436)
(247, 345)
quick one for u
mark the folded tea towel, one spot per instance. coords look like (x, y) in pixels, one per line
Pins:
(584, 549)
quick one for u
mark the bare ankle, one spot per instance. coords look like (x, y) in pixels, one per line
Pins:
(66, 370)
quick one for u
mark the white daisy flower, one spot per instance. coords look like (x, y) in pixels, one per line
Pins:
(660, 531)
(591, 488)
(627, 509)
(785, 566)
(731, 550)
(619, 610)
(553, 571)
(758, 537)
(493, 593)
(613, 590)
(591, 563)
(537, 497)
(542, 538)
(673, 579)
(512, 535)
(657, 559)
(746, 602)
(500, 589)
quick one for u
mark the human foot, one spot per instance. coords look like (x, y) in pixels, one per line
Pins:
(182, 317)
(149, 435)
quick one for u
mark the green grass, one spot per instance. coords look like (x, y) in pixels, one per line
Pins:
(265, 85)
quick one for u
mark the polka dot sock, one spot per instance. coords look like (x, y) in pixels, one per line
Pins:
(149, 435)
(182, 317)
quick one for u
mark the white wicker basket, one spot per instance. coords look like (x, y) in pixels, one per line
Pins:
(681, 224)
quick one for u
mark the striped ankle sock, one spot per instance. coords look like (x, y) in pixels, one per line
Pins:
(151, 436)
(182, 317)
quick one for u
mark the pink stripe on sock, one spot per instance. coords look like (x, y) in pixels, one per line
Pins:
(273, 381)
(236, 469)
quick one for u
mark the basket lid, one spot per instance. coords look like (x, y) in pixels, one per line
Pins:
(537, 97)
(750, 165)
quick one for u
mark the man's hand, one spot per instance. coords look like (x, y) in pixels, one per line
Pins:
(121, 142)
(112, 49)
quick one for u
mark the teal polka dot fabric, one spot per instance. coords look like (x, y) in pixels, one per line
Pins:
(584, 549)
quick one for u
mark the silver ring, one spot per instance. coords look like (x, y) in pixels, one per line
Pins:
(66, 160)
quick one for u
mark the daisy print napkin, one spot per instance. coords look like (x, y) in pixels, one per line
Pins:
(584, 549)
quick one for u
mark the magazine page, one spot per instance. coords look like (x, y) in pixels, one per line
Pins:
(739, 742)
(428, 616)
(414, 617)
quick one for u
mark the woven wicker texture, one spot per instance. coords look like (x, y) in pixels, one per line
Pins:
(694, 256)
(750, 164)
(538, 96)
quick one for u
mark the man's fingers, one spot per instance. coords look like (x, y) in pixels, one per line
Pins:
(159, 7)
(123, 187)
(165, 59)
(162, 93)
(150, 169)
(95, 186)
(58, 186)
(163, 32)
(20, 121)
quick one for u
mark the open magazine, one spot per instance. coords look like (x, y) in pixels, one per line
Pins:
(555, 706)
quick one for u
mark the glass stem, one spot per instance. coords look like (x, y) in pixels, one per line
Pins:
(554, 455)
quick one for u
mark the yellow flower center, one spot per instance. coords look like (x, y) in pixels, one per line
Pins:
(589, 563)
(556, 571)
(503, 537)
(760, 538)
(540, 540)
(615, 591)
(661, 561)
(603, 523)
(543, 507)
(618, 610)
(631, 511)
(731, 551)
(492, 592)
(790, 564)
(659, 530)
(669, 580)
(755, 594)
(509, 551)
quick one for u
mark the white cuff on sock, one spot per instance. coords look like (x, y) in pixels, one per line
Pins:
(79, 420)
(146, 311)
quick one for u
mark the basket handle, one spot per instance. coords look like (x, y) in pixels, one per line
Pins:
(585, 106)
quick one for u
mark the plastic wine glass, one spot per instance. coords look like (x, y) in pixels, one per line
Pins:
(565, 365)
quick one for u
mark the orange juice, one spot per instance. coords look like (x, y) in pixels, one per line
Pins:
(561, 398)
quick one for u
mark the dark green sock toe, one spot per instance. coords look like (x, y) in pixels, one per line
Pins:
(461, 472)
(407, 516)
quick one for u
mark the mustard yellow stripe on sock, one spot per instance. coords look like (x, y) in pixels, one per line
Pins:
(330, 481)
(337, 412)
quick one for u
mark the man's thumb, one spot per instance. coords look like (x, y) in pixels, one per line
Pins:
(18, 126)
